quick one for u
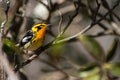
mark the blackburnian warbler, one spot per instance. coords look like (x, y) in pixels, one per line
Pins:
(34, 38)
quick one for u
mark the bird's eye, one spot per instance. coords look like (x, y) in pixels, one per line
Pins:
(39, 27)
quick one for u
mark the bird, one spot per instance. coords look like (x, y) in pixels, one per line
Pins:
(34, 38)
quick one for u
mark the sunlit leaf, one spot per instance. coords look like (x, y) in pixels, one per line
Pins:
(93, 47)
(92, 74)
(112, 50)
(11, 50)
(115, 69)
(57, 49)
(87, 67)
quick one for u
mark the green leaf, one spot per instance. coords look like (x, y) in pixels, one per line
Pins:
(112, 50)
(93, 47)
(115, 69)
(56, 51)
(87, 67)
(9, 46)
(92, 74)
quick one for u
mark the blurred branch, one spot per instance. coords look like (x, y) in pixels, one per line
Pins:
(24, 16)
(2, 72)
(103, 17)
(96, 11)
(106, 5)
(3, 25)
(116, 28)
(4, 62)
(114, 31)
(46, 5)
(103, 26)
(103, 33)
(55, 67)
(5, 4)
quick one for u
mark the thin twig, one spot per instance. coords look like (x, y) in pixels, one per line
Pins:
(60, 22)
(106, 14)
(96, 11)
(102, 26)
(72, 17)
(103, 33)
(69, 38)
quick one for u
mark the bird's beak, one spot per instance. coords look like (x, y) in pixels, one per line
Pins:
(48, 25)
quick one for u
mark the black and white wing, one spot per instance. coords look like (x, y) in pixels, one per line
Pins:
(27, 37)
